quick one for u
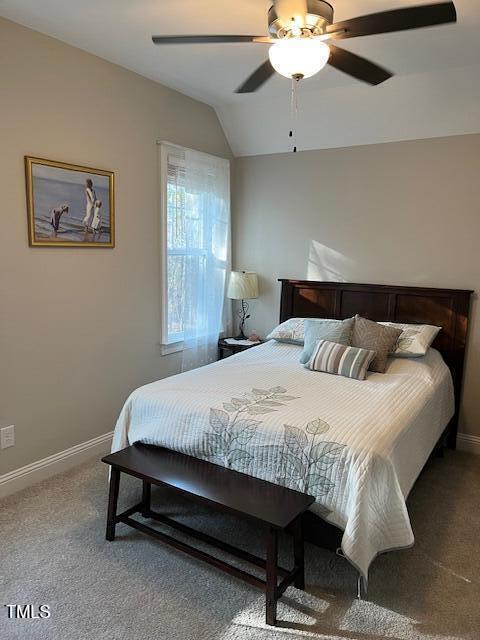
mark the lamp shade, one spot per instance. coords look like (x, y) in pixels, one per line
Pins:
(243, 285)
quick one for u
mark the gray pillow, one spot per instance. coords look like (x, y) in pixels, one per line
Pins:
(339, 331)
(375, 337)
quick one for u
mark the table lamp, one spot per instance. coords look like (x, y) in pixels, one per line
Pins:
(243, 285)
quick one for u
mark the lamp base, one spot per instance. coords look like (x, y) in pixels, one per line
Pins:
(241, 336)
(244, 315)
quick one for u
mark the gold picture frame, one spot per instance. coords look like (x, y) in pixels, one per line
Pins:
(69, 205)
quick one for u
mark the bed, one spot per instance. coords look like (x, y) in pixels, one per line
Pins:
(356, 446)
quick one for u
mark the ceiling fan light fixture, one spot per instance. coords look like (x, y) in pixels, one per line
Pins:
(299, 57)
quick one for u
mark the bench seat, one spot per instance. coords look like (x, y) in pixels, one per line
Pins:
(273, 507)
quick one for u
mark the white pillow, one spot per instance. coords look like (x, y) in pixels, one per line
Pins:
(292, 331)
(414, 340)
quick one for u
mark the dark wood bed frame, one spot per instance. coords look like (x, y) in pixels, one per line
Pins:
(446, 308)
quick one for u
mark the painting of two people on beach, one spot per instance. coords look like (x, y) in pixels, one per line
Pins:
(69, 205)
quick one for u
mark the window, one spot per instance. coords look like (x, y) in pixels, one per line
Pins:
(195, 197)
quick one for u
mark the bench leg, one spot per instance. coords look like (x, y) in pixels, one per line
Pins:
(299, 553)
(146, 498)
(271, 569)
(112, 503)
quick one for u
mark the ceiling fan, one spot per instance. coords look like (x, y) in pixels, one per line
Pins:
(299, 28)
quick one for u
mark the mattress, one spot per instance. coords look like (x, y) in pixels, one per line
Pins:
(356, 446)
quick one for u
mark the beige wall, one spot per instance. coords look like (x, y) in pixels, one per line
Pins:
(79, 329)
(401, 213)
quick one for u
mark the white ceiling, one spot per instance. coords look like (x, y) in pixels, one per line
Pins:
(436, 90)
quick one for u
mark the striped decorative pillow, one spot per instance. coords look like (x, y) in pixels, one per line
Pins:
(331, 357)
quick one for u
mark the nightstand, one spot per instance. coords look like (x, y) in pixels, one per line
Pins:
(232, 348)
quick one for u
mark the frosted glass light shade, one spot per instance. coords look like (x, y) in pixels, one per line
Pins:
(299, 56)
(243, 285)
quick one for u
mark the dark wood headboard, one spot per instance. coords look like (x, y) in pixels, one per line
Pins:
(446, 308)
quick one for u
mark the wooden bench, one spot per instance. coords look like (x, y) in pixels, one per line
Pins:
(273, 507)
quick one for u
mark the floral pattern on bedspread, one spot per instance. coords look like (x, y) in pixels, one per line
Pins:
(234, 426)
(305, 462)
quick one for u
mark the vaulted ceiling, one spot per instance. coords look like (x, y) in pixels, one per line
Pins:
(436, 90)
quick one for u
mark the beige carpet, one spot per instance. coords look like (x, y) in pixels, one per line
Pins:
(53, 552)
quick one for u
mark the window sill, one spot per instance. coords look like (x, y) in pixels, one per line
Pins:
(167, 349)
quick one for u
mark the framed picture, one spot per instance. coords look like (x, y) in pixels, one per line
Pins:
(69, 205)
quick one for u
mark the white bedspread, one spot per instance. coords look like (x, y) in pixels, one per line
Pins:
(357, 446)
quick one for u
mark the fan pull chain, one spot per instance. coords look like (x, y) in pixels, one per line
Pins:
(294, 114)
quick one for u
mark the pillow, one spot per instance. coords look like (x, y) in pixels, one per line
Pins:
(339, 331)
(290, 331)
(340, 359)
(415, 339)
(375, 337)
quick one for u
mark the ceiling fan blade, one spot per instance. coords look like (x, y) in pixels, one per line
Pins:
(258, 77)
(202, 39)
(396, 20)
(356, 66)
(265, 40)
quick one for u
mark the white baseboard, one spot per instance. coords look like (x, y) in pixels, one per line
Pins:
(58, 462)
(466, 442)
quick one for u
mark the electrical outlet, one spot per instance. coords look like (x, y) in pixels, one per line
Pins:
(7, 437)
